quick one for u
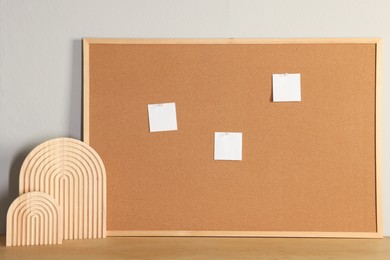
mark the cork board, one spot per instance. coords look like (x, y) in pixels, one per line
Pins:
(309, 168)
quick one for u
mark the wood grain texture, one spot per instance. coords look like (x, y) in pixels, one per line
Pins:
(309, 168)
(183, 248)
(231, 41)
(74, 174)
(188, 233)
(85, 90)
(378, 136)
(34, 218)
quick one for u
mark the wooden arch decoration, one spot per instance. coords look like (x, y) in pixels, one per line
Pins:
(74, 174)
(34, 218)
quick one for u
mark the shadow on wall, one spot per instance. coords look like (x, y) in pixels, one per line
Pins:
(13, 184)
(76, 101)
(74, 131)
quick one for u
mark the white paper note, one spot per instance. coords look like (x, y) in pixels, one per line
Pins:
(162, 117)
(228, 146)
(286, 87)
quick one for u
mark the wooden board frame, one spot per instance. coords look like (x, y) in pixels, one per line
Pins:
(378, 150)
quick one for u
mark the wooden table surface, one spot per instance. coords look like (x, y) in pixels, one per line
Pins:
(203, 248)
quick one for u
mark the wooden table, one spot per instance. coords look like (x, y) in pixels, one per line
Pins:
(203, 248)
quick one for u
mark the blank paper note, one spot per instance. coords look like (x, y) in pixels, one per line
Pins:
(228, 146)
(286, 87)
(162, 117)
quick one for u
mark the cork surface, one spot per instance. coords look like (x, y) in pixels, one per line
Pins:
(307, 166)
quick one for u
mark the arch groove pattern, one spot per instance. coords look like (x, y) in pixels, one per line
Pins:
(74, 175)
(34, 218)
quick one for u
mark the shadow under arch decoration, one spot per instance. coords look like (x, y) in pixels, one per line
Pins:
(74, 174)
(34, 218)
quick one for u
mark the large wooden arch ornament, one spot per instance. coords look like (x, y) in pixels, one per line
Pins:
(74, 175)
(34, 218)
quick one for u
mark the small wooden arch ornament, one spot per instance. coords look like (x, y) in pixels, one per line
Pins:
(34, 218)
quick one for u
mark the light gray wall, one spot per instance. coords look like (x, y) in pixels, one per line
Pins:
(40, 56)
